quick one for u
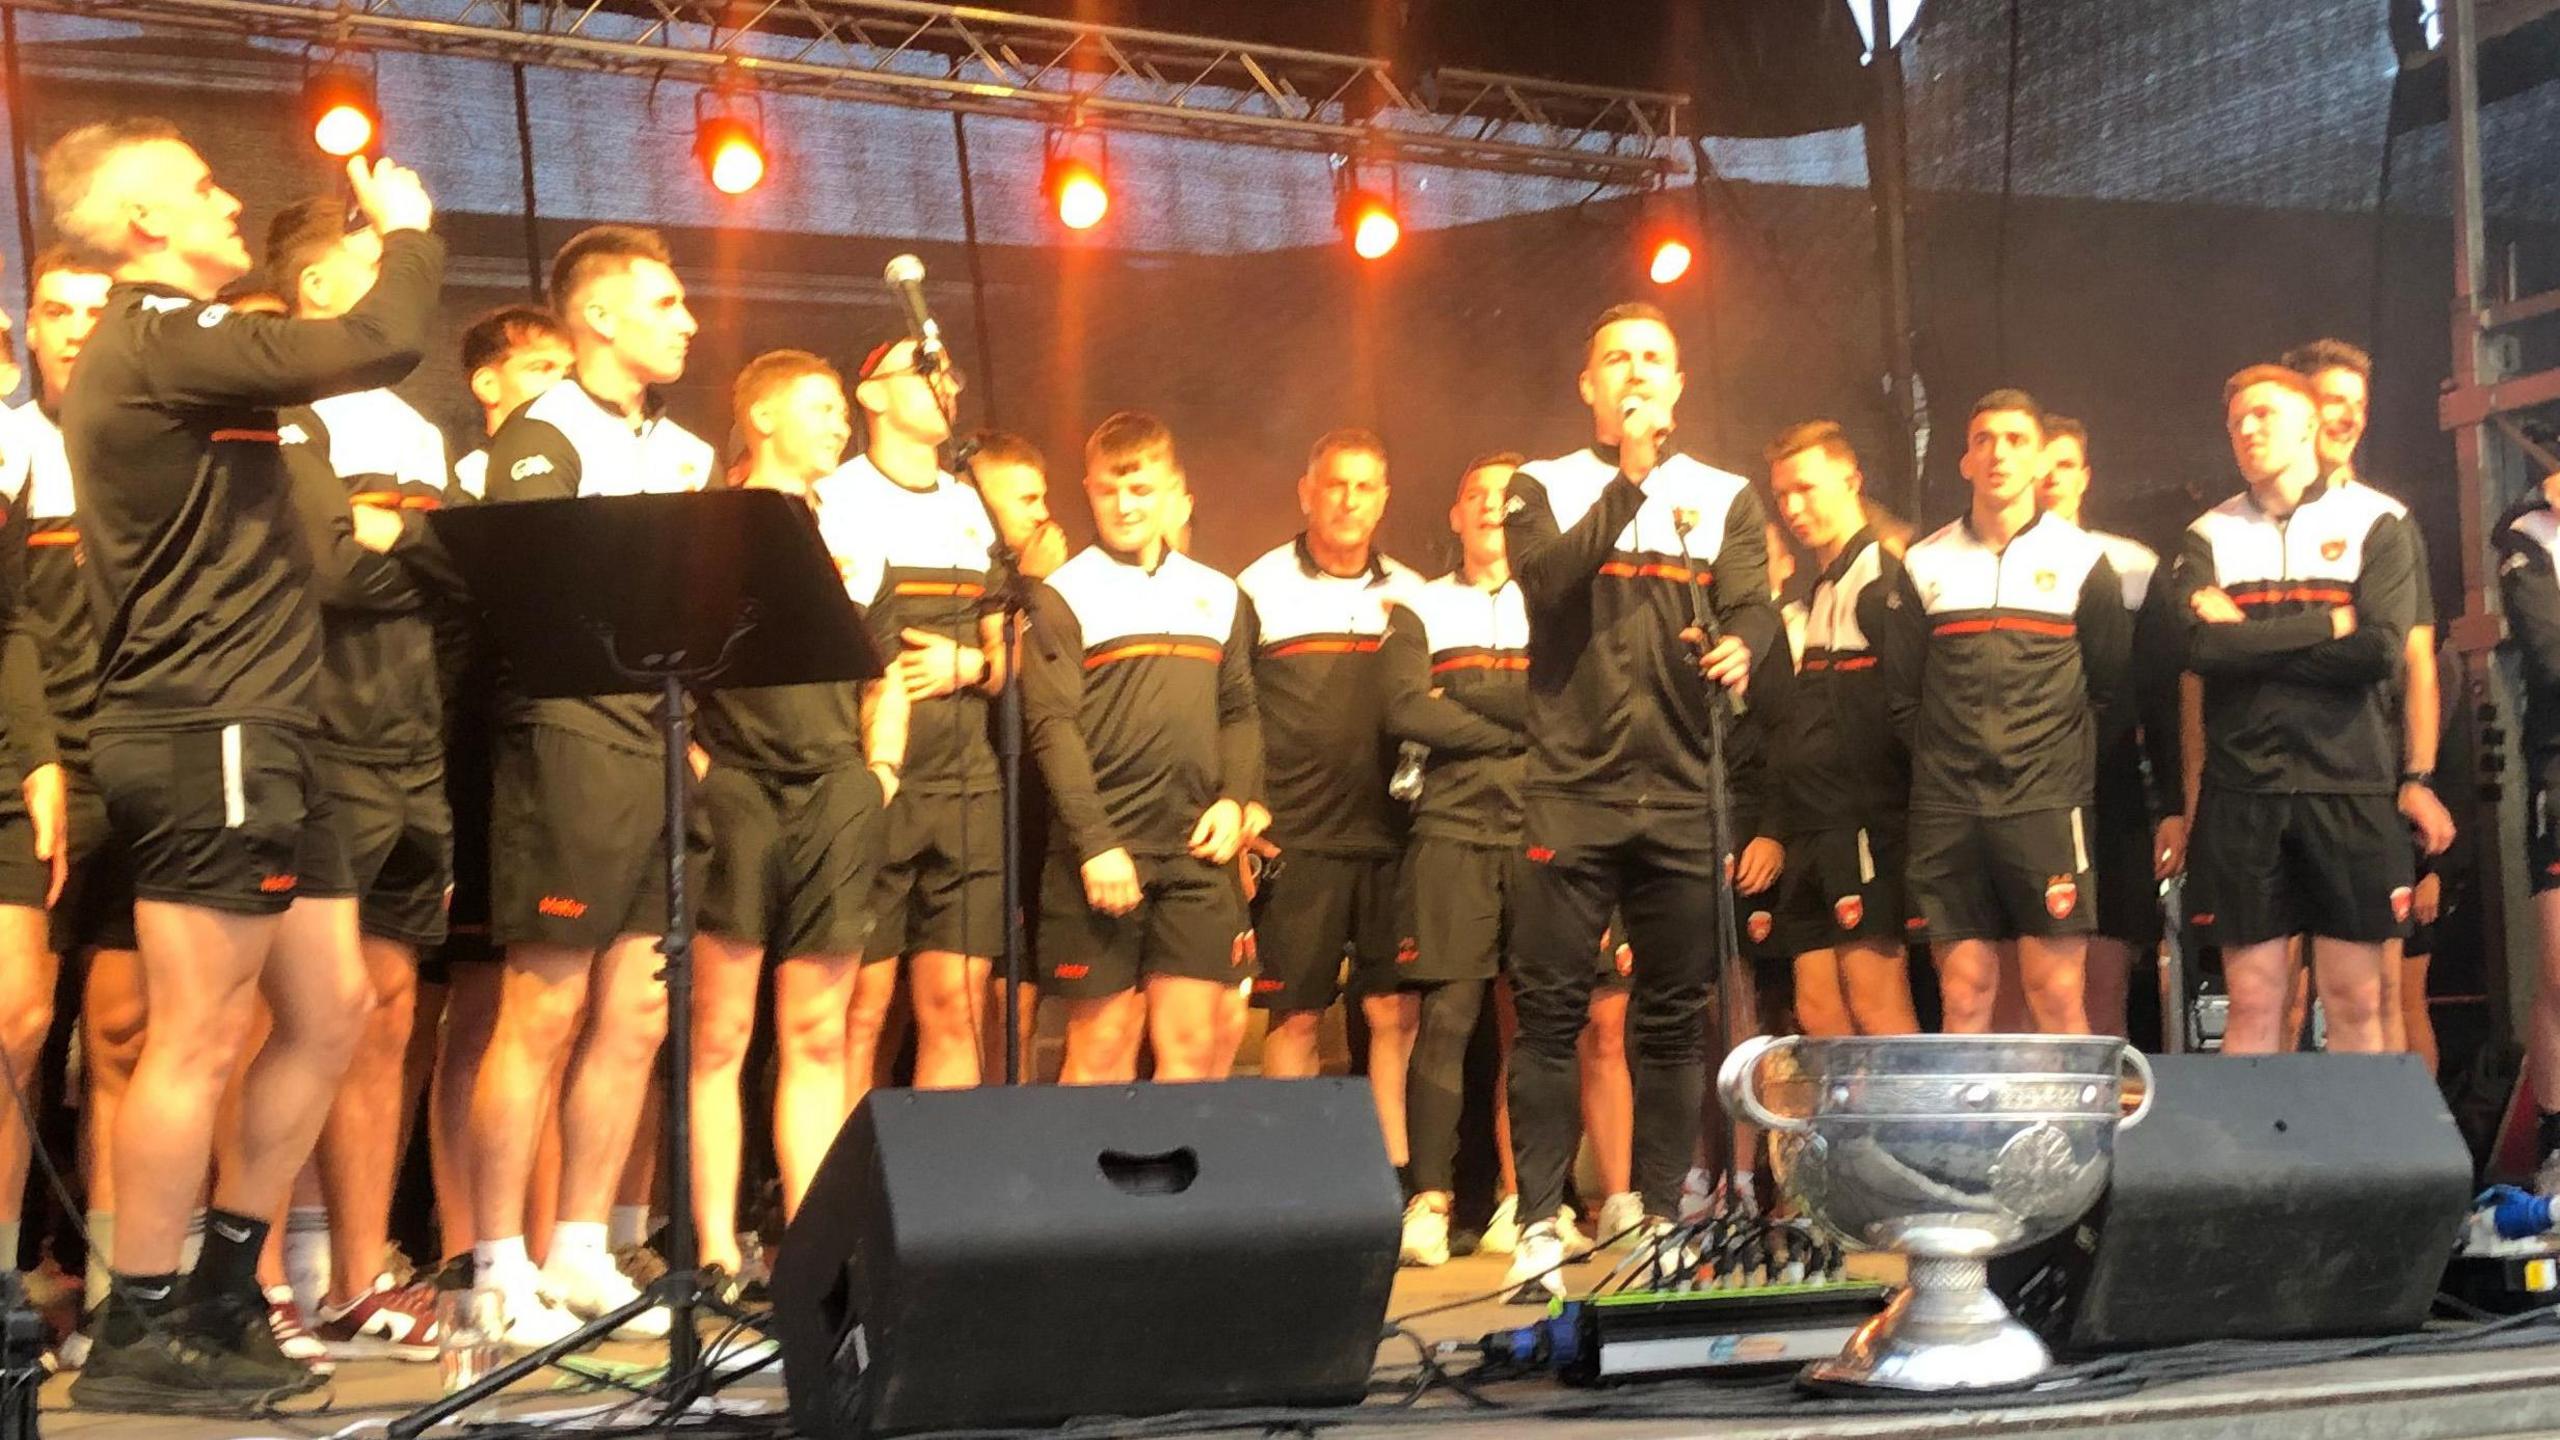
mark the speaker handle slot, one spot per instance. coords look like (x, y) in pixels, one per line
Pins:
(1169, 1173)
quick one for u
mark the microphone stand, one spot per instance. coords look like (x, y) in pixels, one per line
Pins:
(1702, 618)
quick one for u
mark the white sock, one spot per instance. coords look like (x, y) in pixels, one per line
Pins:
(629, 1226)
(495, 1261)
(101, 1225)
(577, 1242)
(1700, 1181)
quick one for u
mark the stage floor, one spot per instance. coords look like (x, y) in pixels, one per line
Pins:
(2433, 1397)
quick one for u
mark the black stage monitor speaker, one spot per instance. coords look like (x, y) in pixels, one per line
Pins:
(1020, 1256)
(2264, 1197)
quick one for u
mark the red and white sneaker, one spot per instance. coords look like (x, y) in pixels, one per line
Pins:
(392, 1322)
(284, 1320)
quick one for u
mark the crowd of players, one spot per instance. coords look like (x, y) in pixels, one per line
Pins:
(277, 779)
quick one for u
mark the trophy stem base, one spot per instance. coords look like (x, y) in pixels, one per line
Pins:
(1944, 1331)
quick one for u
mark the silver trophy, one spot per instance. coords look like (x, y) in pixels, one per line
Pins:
(1950, 1149)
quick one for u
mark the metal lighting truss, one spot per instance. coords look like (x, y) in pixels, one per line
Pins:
(987, 62)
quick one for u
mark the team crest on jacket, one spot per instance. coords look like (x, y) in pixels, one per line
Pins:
(2400, 901)
(2061, 897)
(1760, 927)
(1849, 910)
(2332, 549)
(2045, 581)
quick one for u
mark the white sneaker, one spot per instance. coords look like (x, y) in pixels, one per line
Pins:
(1619, 1214)
(1576, 1244)
(1502, 1232)
(1426, 1234)
(1537, 1273)
(533, 1318)
(1697, 1195)
(293, 1336)
(590, 1286)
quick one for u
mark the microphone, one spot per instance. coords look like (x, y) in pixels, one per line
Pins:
(905, 278)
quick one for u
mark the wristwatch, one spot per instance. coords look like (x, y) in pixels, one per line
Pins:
(2418, 777)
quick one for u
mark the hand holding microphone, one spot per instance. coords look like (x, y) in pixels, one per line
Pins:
(1643, 425)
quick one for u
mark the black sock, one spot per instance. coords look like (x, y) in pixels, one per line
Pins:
(1404, 1180)
(140, 1301)
(2547, 1132)
(229, 1263)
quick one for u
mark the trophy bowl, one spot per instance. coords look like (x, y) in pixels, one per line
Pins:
(1949, 1149)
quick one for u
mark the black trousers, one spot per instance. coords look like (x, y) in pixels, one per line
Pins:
(1655, 867)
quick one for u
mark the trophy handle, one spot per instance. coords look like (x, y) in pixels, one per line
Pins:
(2141, 1064)
(1734, 1079)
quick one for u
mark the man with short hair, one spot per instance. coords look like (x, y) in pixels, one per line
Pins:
(1012, 480)
(2341, 377)
(796, 779)
(2003, 653)
(380, 753)
(209, 647)
(1616, 548)
(2296, 597)
(1457, 655)
(1320, 603)
(2140, 828)
(578, 846)
(33, 853)
(918, 551)
(1847, 778)
(2528, 543)
(510, 356)
(1139, 699)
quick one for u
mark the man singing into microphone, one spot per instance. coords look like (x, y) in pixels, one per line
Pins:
(1606, 544)
(199, 581)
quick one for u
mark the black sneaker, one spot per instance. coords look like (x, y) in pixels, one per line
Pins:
(242, 1327)
(170, 1369)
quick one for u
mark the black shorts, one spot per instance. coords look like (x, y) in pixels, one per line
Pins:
(793, 859)
(577, 841)
(941, 884)
(2264, 867)
(469, 758)
(1842, 885)
(1997, 877)
(1455, 899)
(2128, 880)
(25, 881)
(1185, 926)
(230, 818)
(96, 908)
(399, 833)
(2542, 826)
(1311, 913)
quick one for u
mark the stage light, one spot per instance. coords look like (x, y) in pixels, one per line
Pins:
(1370, 220)
(345, 119)
(1074, 175)
(1668, 233)
(1671, 257)
(728, 138)
(1076, 189)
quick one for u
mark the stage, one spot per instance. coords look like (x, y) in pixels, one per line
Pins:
(2436, 1396)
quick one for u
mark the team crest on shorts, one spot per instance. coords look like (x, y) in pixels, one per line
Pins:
(1408, 950)
(1760, 926)
(1849, 910)
(2045, 581)
(2061, 897)
(2333, 549)
(2400, 900)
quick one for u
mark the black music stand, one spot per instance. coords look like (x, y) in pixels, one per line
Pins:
(632, 595)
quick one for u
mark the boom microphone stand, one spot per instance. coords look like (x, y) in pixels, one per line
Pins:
(1720, 710)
